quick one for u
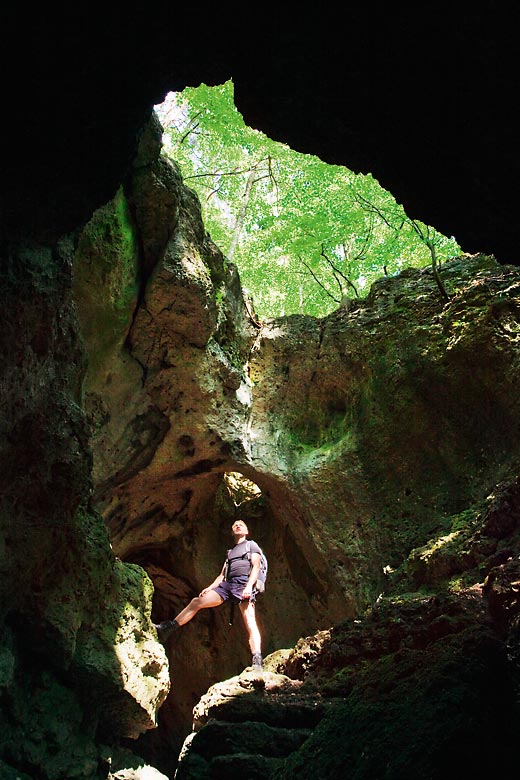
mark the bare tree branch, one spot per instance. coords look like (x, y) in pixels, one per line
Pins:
(318, 281)
(429, 238)
(338, 271)
(191, 128)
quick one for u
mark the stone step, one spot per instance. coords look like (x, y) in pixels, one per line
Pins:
(219, 738)
(247, 750)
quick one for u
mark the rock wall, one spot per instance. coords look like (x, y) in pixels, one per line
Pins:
(373, 453)
(80, 666)
(375, 435)
(78, 658)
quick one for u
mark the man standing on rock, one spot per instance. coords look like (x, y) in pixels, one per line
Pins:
(236, 581)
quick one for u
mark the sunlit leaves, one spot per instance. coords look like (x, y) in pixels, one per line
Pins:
(302, 233)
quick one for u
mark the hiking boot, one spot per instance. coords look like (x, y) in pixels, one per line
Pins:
(165, 629)
(257, 662)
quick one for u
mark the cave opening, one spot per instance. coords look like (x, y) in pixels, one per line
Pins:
(69, 148)
(304, 234)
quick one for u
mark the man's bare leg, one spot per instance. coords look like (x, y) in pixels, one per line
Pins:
(208, 598)
(247, 608)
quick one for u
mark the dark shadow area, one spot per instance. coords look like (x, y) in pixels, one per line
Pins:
(422, 101)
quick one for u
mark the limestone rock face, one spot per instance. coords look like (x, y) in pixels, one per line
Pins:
(375, 436)
(79, 656)
(374, 454)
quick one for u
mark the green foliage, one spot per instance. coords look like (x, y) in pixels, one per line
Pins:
(302, 233)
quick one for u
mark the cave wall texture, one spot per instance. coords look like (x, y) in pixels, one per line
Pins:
(133, 379)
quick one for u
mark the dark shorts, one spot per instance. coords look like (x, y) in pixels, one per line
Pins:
(233, 589)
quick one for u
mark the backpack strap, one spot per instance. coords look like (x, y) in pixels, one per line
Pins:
(226, 572)
(249, 556)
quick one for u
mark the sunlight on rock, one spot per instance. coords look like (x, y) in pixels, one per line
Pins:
(240, 488)
(244, 394)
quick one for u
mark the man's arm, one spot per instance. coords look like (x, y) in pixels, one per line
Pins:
(253, 575)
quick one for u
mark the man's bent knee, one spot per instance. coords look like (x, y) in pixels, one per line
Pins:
(210, 599)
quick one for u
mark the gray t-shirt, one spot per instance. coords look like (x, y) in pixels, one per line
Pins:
(239, 565)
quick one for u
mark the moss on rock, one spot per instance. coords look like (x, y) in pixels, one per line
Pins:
(106, 277)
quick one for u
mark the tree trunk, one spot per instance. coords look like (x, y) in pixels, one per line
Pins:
(436, 274)
(242, 213)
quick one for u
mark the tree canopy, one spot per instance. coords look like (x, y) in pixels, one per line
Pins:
(304, 234)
